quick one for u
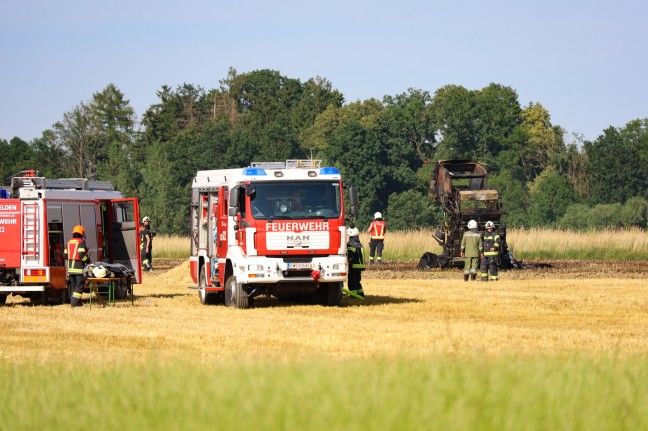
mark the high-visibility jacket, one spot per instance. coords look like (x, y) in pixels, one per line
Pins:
(76, 253)
(492, 243)
(355, 254)
(377, 229)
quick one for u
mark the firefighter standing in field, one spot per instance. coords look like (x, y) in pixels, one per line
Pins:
(490, 260)
(146, 244)
(376, 230)
(356, 258)
(471, 250)
(76, 254)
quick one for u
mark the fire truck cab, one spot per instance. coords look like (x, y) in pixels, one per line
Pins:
(37, 216)
(274, 228)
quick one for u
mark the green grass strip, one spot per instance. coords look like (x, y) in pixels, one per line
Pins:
(446, 393)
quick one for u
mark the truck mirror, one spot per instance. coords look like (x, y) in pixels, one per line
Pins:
(353, 196)
(233, 211)
(234, 198)
(250, 191)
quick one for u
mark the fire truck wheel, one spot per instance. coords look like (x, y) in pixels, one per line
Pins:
(329, 294)
(206, 298)
(235, 295)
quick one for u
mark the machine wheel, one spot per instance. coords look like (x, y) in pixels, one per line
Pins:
(329, 294)
(235, 295)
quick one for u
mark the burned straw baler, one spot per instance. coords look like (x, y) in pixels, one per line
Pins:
(461, 188)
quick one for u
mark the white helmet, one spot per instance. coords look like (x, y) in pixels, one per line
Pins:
(353, 231)
(472, 224)
(378, 215)
(99, 272)
(489, 224)
(146, 219)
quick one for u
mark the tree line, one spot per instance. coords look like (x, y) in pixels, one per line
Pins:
(387, 148)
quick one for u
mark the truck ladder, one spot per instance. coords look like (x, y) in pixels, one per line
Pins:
(30, 234)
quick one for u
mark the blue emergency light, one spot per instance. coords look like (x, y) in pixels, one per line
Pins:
(253, 172)
(329, 171)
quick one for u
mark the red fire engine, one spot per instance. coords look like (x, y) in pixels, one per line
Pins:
(37, 216)
(275, 228)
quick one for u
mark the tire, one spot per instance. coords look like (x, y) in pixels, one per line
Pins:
(206, 298)
(329, 294)
(235, 295)
(37, 298)
(3, 299)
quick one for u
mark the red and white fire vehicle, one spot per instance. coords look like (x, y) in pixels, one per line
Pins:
(37, 216)
(275, 228)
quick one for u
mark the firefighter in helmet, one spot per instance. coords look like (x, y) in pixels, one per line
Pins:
(490, 261)
(471, 250)
(355, 256)
(146, 244)
(377, 230)
(76, 255)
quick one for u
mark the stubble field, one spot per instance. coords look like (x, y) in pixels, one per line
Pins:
(541, 344)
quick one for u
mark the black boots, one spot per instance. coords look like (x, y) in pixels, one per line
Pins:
(473, 277)
(465, 277)
(75, 302)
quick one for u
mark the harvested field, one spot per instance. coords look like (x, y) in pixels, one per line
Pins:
(573, 307)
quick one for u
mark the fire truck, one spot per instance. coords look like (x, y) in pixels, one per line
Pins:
(37, 215)
(274, 228)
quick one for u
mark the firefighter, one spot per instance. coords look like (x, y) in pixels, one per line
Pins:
(376, 230)
(146, 244)
(471, 250)
(76, 254)
(490, 260)
(356, 258)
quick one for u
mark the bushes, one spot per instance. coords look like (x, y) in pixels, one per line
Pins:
(582, 217)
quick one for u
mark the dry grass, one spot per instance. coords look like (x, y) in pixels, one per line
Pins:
(627, 242)
(175, 246)
(412, 318)
(525, 243)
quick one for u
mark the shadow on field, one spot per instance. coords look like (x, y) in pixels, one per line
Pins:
(348, 301)
(164, 295)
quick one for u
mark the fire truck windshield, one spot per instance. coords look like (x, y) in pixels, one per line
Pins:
(295, 200)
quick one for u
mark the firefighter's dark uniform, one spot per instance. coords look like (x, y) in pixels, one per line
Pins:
(376, 231)
(356, 258)
(490, 261)
(147, 256)
(76, 254)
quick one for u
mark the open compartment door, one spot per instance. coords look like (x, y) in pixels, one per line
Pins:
(123, 234)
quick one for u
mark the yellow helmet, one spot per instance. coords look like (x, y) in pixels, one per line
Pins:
(78, 229)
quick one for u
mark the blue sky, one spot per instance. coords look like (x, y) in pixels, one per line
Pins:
(585, 61)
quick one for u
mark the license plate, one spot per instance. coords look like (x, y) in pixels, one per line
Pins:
(299, 266)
